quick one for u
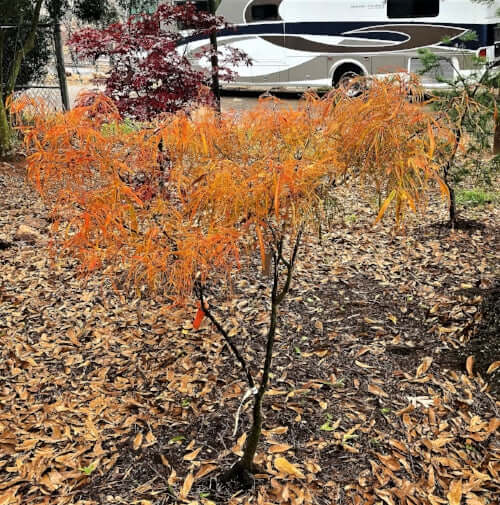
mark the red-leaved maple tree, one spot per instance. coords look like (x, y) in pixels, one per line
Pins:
(222, 192)
(149, 72)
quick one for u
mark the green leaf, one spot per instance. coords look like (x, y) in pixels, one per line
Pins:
(326, 426)
(87, 470)
(349, 437)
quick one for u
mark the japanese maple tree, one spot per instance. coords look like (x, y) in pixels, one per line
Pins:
(223, 191)
(150, 73)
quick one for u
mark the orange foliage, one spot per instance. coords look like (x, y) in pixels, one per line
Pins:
(221, 184)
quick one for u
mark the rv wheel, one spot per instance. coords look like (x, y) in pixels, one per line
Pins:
(347, 79)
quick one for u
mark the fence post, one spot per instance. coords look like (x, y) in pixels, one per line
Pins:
(214, 58)
(61, 71)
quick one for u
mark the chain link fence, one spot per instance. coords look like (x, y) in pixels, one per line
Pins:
(48, 95)
(51, 89)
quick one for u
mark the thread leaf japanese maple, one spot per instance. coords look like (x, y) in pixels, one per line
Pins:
(224, 191)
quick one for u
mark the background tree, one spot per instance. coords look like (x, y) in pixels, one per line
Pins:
(25, 15)
(470, 106)
(25, 48)
(149, 75)
(225, 187)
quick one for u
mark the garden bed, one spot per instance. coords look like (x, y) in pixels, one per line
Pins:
(106, 398)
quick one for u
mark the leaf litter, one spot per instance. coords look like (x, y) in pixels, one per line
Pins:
(108, 398)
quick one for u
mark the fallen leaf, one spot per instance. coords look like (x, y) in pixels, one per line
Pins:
(493, 367)
(440, 442)
(424, 366)
(363, 365)
(375, 390)
(389, 462)
(469, 365)
(200, 314)
(455, 493)
(204, 470)
(137, 441)
(276, 448)
(150, 438)
(284, 466)
(192, 455)
(186, 486)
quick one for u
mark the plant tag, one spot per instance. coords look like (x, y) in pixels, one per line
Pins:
(198, 318)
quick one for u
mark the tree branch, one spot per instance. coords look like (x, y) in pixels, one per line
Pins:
(222, 331)
(289, 267)
(28, 45)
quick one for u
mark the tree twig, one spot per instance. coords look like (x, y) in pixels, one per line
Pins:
(223, 332)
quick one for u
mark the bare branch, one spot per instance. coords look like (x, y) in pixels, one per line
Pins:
(223, 332)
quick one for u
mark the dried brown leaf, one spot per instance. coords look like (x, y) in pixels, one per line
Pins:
(284, 466)
(186, 487)
(469, 365)
(204, 470)
(192, 455)
(277, 448)
(137, 441)
(375, 390)
(424, 366)
(454, 495)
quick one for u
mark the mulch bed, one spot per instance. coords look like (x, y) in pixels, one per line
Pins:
(107, 398)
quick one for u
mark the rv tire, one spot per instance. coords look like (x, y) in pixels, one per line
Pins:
(343, 77)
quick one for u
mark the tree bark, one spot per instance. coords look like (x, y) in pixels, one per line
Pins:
(8, 88)
(453, 208)
(245, 467)
(256, 429)
(28, 45)
(214, 59)
(496, 138)
(61, 71)
(5, 130)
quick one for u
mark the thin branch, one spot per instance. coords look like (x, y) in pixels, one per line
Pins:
(272, 329)
(222, 331)
(289, 266)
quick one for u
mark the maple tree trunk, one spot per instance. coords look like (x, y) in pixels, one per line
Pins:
(245, 467)
(453, 207)
(252, 442)
(5, 130)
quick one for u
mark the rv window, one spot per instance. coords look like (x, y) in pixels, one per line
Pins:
(201, 5)
(265, 12)
(412, 8)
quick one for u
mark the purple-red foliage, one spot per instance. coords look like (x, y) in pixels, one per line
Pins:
(149, 75)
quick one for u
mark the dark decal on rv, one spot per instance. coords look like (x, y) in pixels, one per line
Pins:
(414, 36)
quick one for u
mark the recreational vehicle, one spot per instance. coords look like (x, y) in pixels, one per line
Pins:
(320, 43)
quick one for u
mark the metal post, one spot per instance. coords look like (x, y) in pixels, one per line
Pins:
(214, 59)
(61, 71)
